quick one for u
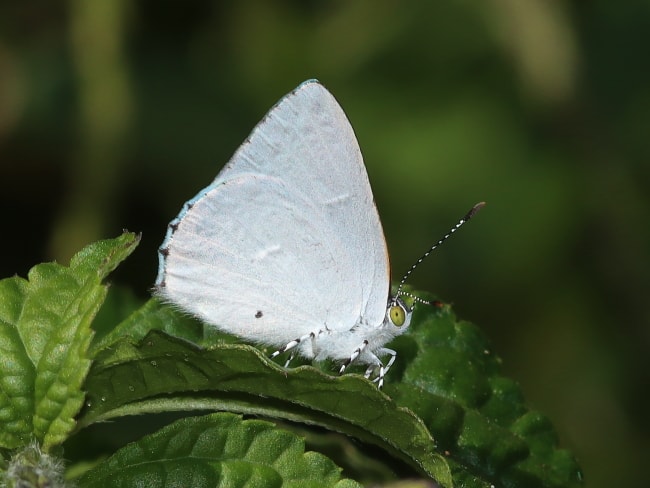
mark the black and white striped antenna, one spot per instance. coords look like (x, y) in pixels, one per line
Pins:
(467, 216)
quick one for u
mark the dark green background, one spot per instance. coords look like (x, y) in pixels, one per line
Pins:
(114, 112)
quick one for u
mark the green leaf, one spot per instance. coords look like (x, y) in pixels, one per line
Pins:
(151, 316)
(452, 381)
(446, 373)
(217, 450)
(163, 374)
(18, 372)
(44, 338)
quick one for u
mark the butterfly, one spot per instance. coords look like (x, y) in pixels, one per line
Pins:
(285, 247)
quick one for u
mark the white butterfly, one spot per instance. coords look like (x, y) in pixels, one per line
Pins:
(285, 248)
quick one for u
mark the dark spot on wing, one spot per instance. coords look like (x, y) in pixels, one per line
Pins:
(259, 314)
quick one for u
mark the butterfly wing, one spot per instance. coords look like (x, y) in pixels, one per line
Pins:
(286, 240)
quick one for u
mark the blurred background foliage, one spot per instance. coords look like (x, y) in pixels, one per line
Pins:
(113, 113)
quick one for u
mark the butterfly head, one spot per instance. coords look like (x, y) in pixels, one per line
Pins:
(398, 313)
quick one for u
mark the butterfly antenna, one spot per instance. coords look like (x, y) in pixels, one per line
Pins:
(467, 216)
(414, 298)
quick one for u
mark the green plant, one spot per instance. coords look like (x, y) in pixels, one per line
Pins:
(446, 413)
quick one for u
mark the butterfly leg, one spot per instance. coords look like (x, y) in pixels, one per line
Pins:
(291, 356)
(393, 356)
(353, 356)
(377, 363)
(383, 370)
(369, 371)
(291, 345)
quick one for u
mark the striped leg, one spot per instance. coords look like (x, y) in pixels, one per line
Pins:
(290, 345)
(383, 370)
(377, 363)
(353, 356)
(393, 356)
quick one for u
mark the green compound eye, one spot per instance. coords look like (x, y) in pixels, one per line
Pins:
(397, 315)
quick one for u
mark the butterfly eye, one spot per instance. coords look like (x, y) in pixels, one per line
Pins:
(397, 315)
